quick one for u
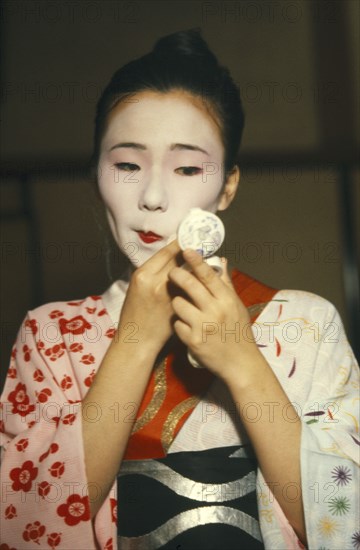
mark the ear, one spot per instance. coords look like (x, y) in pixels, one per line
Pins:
(230, 188)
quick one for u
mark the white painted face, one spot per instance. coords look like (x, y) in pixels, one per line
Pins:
(161, 155)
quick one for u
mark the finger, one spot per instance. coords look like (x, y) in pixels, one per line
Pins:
(204, 273)
(225, 275)
(167, 257)
(183, 331)
(190, 287)
(187, 312)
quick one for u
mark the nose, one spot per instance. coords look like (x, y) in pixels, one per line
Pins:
(154, 196)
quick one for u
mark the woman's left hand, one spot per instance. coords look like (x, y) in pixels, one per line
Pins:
(213, 323)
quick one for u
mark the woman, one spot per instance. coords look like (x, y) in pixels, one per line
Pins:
(258, 448)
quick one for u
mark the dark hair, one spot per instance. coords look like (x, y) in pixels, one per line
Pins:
(181, 60)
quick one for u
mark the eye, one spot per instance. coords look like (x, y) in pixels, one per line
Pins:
(127, 166)
(189, 170)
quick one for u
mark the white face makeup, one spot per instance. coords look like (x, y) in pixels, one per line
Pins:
(160, 156)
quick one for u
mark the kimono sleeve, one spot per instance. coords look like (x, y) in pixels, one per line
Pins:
(330, 443)
(43, 481)
(326, 398)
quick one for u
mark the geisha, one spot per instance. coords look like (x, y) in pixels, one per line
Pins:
(143, 450)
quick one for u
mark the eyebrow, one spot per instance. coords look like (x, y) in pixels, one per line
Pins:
(173, 147)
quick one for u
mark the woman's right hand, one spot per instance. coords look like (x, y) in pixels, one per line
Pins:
(147, 310)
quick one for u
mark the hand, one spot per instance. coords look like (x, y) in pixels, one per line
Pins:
(148, 303)
(213, 322)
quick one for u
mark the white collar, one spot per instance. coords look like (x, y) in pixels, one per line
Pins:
(114, 297)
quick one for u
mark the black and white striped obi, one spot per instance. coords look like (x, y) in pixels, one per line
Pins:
(190, 501)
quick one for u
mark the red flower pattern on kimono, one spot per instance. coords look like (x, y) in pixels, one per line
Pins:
(69, 419)
(54, 539)
(34, 531)
(52, 449)
(110, 333)
(75, 347)
(44, 488)
(23, 476)
(57, 469)
(89, 379)
(88, 359)
(10, 512)
(22, 444)
(102, 312)
(33, 325)
(66, 383)
(38, 375)
(55, 314)
(12, 373)
(55, 352)
(20, 400)
(76, 325)
(27, 353)
(43, 395)
(75, 510)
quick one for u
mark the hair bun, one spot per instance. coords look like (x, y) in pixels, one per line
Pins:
(185, 44)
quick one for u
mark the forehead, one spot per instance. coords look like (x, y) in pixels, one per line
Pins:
(174, 115)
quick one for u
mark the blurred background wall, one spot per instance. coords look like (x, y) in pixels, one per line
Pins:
(295, 223)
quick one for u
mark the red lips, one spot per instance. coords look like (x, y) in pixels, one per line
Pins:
(149, 237)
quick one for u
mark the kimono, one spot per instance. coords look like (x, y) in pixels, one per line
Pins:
(57, 352)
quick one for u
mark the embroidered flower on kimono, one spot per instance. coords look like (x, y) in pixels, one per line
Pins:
(32, 324)
(33, 532)
(328, 527)
(20, 400)
(10, 512)
(355, 539)
(76, 325)
(341, 475)
(22, 444)
(339, 505)
(54, 539)
(6, 547)
(75, 510)
(108, 545)
(23, 476)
